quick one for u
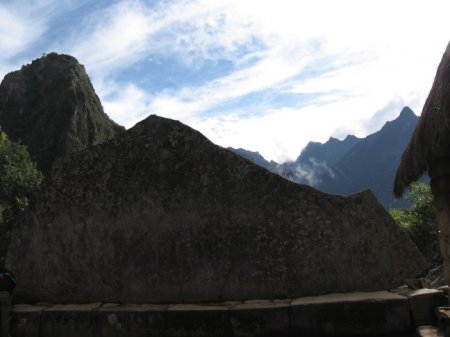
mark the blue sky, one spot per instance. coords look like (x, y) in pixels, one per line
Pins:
(265, 75)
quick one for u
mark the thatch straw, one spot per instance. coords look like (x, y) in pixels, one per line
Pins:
(431, 138)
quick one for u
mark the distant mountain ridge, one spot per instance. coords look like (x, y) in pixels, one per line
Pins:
(350, 165)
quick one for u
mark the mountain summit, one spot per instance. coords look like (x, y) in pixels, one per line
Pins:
(50, 105)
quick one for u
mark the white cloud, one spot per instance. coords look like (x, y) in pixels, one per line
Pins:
(128, 31)
(128, 104)
(310, 173)
(24, 24)
(277, 134)
(16, 31)
(190, 101)
(112, 39)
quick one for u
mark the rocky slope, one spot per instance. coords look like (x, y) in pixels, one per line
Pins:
(160, 214)
(51, 106)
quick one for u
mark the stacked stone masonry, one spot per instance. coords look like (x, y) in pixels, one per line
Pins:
(349, 314)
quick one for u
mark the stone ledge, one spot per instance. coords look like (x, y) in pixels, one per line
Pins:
(26, 320)
(261, 318)
(114, 320)
(423, 303)
(70, 320)
(349, 314)
(429, 331)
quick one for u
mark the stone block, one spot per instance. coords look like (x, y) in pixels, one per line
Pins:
(185, 320)
(351, 314)
(444, 289)
(129, 320)
(443, 318)
(429, 331)
(72, 320)
(423, 303)
(260, 318)
(25, 320)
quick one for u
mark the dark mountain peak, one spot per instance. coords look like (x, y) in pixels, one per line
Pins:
(256, 153)
(372, 161)
(392, 135)
(407, 113)
(255, 157)
(332, 140)
(348, 139)
(328, 152)
(351, 138)
(405, 116)
(49, 68)
(54, 59)
(51, 106)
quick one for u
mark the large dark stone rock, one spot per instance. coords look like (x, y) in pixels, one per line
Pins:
(160, 214)
(51, 106)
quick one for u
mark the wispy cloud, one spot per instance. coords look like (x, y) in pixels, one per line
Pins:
(17, 31)
(311, 172)
(24, 24)
(269, 72)
(129, 31)
(118, 34)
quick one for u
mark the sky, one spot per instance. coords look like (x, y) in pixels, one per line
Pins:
(264, 75)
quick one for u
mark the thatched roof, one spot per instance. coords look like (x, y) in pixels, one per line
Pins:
(431, 138)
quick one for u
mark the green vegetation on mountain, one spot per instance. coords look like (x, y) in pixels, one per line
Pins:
(18, 178)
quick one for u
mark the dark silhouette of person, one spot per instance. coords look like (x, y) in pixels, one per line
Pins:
(7, 284)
